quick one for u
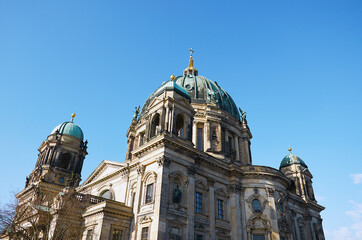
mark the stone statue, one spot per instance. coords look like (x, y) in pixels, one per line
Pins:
(27, 181)
(243, 115)
(177, 195)
(136, 112)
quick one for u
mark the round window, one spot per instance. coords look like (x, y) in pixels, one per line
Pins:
(256, 205)
(61, 180)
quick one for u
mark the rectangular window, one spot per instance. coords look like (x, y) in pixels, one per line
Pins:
(133, 198)
(144, 234)
(230, 140)
(200, 139)
(89, 234)
(220, 209)
(198, 237)
(258, 237)
(149, 193)
(198, 202)
(116, 234)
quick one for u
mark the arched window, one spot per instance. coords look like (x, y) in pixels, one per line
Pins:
(155, 125)
(180, 125)
(65, 160)
(106, 194)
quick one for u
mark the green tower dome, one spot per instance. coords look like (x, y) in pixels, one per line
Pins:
(292, 159)
(69, 128)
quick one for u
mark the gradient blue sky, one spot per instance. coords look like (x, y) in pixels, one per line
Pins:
(294, 66)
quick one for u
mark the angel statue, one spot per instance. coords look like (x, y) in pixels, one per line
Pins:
(243, 115)
(136, 112)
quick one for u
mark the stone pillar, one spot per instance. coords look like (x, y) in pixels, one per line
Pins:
(190, 203)
(137, 202)
(167, 118)
(227, 152)
(236, 140)
(308, 228)
(243, 214)
(194, 133)
(212, 207)
(158, 228)
(273, 213)
(170, 128)
(245, 158)
(235, 217)
(207, 136)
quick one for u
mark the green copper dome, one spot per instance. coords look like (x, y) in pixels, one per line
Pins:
(69, 128)
(203, 90)
(292, 159)
(166, 86)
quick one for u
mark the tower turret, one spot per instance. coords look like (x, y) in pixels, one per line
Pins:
(61, 156)
(301, 179)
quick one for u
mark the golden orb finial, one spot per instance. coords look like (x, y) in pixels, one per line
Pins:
(290, 149)
(73, 116)
(172, 77)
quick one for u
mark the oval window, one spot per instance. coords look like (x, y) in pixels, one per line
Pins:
(256, 205)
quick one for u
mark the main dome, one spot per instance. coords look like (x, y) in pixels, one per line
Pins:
(197, 88)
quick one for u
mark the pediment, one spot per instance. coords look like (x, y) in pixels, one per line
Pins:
(103, 170)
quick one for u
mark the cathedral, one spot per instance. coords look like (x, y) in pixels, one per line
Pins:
(188, 174)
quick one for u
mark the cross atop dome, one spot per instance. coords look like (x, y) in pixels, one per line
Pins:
(191, 70)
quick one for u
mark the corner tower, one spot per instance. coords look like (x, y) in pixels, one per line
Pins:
(61, 157)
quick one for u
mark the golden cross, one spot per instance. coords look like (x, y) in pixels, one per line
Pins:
(191, 51)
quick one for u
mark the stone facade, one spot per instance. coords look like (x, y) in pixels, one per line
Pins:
(188, 174)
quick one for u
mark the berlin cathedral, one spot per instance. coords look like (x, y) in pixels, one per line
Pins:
(188, 174)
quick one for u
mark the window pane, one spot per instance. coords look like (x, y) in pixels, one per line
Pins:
(144, 235)
(220, 209)
(200, 139)
(106, 194)
(258, 237)
(116, 234)
(89, 234)
(149, 193)
(198, 202)
(256, 205)
(198, 237)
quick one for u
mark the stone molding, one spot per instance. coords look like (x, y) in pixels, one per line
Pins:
(163, 161)
(235, 188)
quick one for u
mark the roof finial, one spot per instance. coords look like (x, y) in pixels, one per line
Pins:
(191, 70)
(172, 77)
(73, 116)
(290, 150)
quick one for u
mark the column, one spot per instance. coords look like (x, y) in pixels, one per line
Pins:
(158, 227)
(190, 203)
(211, 182)
(137, 202)
(245, 157)
(235, 218)
(243, 214)
(167, 118)
(207, 142)
(273, 213)
(236, 140)
(194, 133)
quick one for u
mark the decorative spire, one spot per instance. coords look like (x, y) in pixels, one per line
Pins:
(73, 116)
(191, 70)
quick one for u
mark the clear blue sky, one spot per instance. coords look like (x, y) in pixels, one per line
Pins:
(294, 66)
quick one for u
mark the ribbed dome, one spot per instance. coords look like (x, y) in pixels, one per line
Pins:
(200, 90)
(203, 90)
(69, 128)
(292, 159)
(170, 85)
